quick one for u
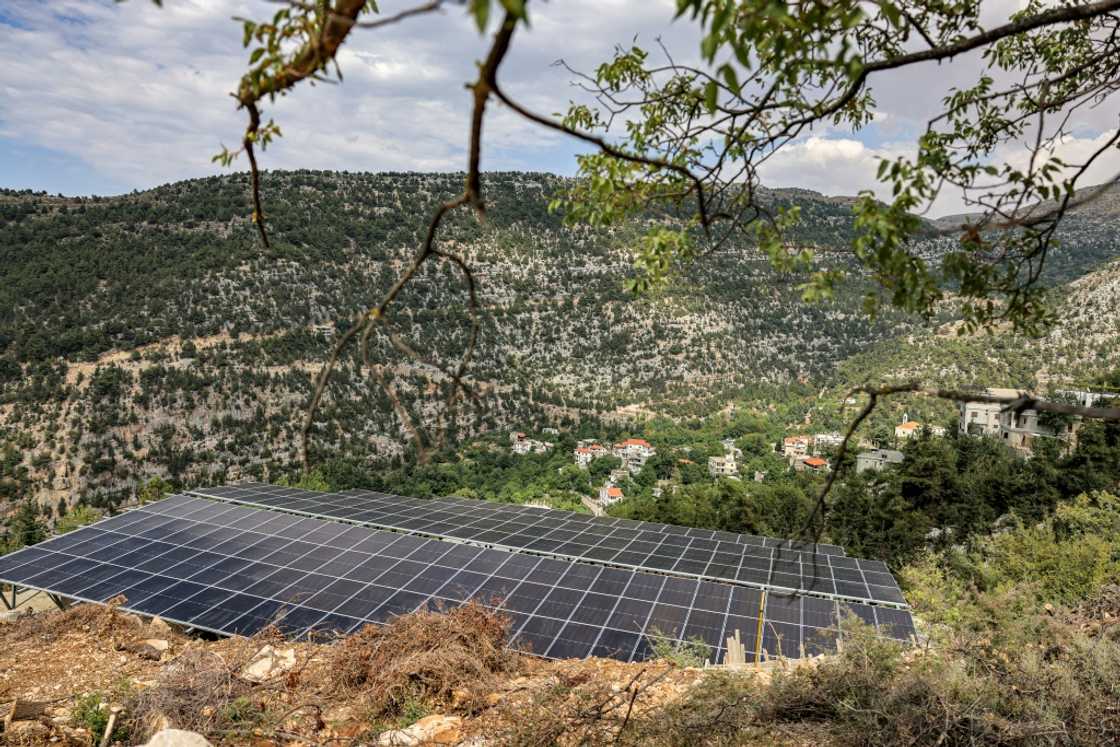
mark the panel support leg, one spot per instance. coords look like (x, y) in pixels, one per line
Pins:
(61, 602)
(4, 599)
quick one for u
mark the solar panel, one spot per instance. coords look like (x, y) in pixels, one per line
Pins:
(233, 570)
(573, 536)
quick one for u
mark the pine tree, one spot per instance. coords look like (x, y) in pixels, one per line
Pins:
(27, 527)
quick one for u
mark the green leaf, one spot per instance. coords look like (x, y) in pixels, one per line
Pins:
(480, 9)
(256, 55)
(730, 77)
(711, 92)
(516, 8)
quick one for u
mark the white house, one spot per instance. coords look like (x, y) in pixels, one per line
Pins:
(906, 430)
(723, 466)
(610, 494)
(826, 441)
(634, 452)
(795, 446)
(588, 450)
(523, 445)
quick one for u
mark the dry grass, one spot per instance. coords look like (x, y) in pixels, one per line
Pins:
(427, 656)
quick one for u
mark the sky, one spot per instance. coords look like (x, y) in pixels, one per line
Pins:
(101, 97)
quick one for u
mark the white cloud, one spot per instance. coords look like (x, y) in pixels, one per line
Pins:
(139, 93)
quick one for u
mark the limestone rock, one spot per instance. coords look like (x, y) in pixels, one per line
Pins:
(434, 729)
(178, 738)
(269, 662)
(159, 625)
(149, 648)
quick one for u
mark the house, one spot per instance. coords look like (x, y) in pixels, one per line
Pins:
(723, 466)
(823, 441)
(811, 464)
(610, 494)
(633, 452)
(551, 431)
(523, 445)
(588, 450)
(1020, 430)
(618, 475)
(982, 418)
(795, 446)
(877, 459)
(906, 430)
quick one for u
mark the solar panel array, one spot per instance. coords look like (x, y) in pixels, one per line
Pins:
(232, 569)
(662, 548)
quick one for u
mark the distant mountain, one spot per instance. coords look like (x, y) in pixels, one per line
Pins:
(152, 334)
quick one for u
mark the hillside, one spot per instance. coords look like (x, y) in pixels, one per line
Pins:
(1083, 342)
(151, 334)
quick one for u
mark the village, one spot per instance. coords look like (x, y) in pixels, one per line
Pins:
(812, 453)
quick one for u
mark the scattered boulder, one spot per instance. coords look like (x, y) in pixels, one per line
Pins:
(434, 729)
(148, 648)
(159, 625)
(178, 738)
(269, 662)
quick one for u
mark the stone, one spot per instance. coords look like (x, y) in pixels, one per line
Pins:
(159, 625)
(178, 738)
(434, 729)
(148, 648)
(11, 617)
(269, 662)
(27, 732)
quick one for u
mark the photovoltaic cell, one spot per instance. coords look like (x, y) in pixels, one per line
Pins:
(721, 556)
(178, 559)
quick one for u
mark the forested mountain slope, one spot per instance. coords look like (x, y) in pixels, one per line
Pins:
(151, 333)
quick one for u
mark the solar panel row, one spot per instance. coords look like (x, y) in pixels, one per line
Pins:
(558, 534)
(233, 570)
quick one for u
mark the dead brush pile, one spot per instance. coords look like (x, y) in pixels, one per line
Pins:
(105, 622)
(432, 657)
(203, 690)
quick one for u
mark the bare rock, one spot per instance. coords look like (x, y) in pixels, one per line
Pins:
(148, 648)
(434, 729)
(178, 738)
(159, 625)
(269, 662)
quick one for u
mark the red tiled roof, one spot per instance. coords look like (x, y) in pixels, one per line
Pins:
(910, 425)
(815, 462)
(614, 492)
(635, 442)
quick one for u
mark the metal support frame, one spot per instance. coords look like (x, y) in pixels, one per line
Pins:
(61, 602)
(4, 599)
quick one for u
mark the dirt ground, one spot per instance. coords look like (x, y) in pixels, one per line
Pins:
(56, 659)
